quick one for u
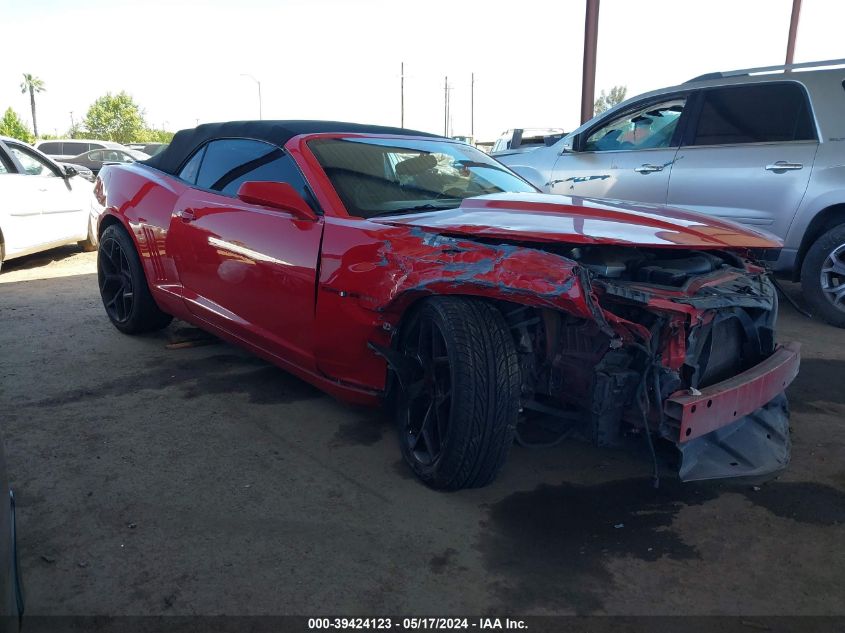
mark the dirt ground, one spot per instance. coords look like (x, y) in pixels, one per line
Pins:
(202, 480)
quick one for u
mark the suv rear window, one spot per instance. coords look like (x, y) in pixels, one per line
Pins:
(760, 113)
(74, 149)
(51, 148)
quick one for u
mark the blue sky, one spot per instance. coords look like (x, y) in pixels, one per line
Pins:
(182, 59)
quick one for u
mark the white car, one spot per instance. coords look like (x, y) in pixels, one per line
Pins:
(42, 205)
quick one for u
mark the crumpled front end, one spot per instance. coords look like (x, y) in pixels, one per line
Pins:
(708, 375)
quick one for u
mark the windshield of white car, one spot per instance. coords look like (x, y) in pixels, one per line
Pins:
(390, 176)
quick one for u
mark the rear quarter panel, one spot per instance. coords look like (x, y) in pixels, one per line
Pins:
(142, 199)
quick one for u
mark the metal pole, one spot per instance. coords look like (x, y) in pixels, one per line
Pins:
(472, 107)
(588, 80)
(402, 87)
(793, 31)
(260, 113)
(446, 106)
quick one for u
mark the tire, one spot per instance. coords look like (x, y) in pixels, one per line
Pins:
(823, 276)
(123, 286)
(457, 409)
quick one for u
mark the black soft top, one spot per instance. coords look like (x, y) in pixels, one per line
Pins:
(185, 142)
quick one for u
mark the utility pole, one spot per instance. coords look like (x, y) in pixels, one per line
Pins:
(402, 90)
(446, 106)
(71, 120)
(588, 78)
(793, 31)
(472, 107)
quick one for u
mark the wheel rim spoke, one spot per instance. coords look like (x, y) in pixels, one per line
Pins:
(115, 281)
(832, 277)
(428, 395)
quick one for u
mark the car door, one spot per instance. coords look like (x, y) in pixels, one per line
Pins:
(747, 155)
(93, 160)
(64, 216)
(248, 269)
(20, 206)
(628, 157)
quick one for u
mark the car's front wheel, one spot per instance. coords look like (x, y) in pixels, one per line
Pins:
(458, 402)
(123, 286)
(823, 276)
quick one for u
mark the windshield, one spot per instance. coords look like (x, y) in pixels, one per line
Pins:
(387, 176)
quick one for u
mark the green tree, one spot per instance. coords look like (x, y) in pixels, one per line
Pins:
(607, 101)
(115, 118)
(32, 85)
(151, 135)
(11, 125)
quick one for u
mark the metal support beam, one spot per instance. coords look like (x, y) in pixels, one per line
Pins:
(588, 80)
(793, 31)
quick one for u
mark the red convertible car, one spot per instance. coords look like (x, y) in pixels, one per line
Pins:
(397, 267)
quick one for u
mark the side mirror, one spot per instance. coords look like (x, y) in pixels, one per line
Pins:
(70, 172)
(569, 145)
(277, 195)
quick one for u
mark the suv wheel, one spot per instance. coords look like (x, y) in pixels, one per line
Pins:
(823, 276)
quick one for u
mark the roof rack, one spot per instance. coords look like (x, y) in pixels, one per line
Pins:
(767, 69)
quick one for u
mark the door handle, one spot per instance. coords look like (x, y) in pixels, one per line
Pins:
(647, 169)
(186, 215)
(782, 165)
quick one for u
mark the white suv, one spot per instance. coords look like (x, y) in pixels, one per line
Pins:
(762, 146)
(62, 149)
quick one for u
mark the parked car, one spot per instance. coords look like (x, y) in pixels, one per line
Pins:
(522, 140)
(148, 148)
(96, 158)
(349, 256)
(42, 205)
(62, 149)
(763, 147)
(81, 171)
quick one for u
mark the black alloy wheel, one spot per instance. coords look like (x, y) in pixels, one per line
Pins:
(458, 394)
(123, 285)
(429, 394)
(115, 279)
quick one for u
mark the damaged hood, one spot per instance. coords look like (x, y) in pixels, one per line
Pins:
(537, 217)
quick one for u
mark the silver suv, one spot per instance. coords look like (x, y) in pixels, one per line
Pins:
(762, 146)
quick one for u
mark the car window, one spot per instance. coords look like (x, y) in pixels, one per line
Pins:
(649, 127)
(761, 113)
(191, 169)
(51, 148)
(74, 149)
(4, 169)
(112, 156)
(33, 164)
(125, 158)
(377, 177)
(96, 156)
(228, 163)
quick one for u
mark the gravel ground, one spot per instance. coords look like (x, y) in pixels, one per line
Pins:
(201, 480)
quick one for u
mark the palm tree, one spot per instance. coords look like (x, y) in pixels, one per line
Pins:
(32, 85)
